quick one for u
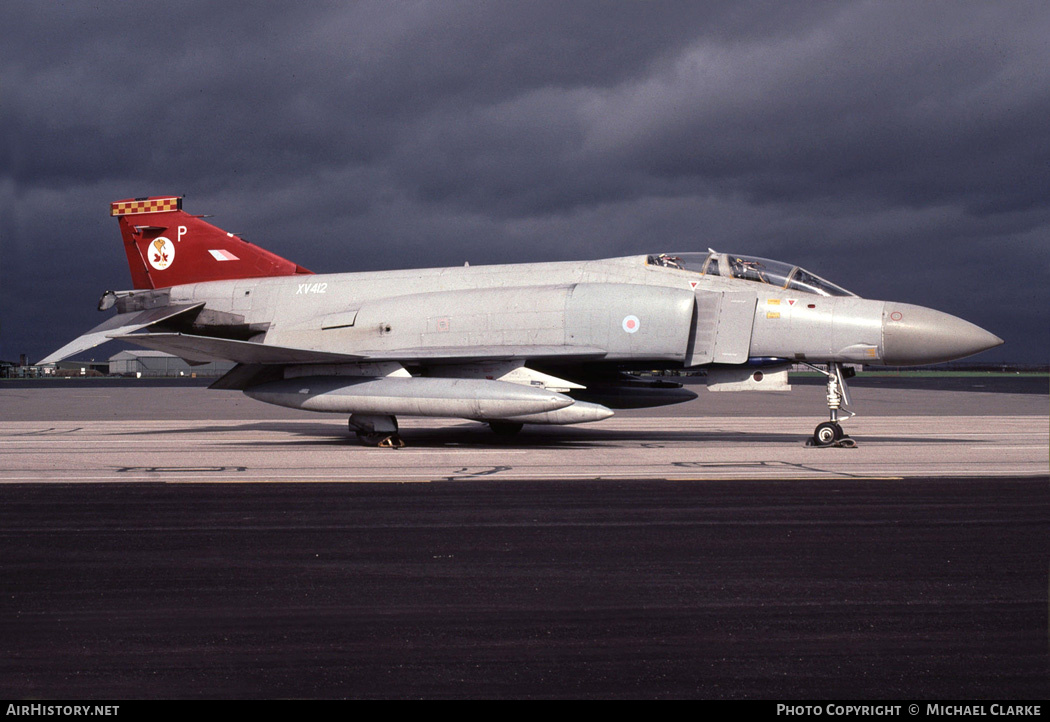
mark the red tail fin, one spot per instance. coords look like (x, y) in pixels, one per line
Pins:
(167, 247)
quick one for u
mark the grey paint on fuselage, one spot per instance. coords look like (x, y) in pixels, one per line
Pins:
(627, 308)
(549, 304)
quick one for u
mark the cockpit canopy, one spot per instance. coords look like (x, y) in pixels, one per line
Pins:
(749, 268)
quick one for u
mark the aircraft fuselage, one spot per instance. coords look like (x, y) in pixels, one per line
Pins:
(630, 310)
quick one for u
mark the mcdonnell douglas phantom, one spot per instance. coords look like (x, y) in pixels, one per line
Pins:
(535, 343)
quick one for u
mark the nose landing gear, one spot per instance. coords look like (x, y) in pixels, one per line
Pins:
(830, 433)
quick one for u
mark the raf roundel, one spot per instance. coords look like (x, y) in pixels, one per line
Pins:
(161, 253)
(631, 324)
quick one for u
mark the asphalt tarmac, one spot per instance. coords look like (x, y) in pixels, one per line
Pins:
(211, 552)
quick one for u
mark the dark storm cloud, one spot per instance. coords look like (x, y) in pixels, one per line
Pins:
(863, 105)
(900, 149)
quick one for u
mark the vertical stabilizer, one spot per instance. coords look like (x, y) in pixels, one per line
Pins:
(168, 247)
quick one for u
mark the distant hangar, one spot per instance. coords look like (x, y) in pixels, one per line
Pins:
(158, 364)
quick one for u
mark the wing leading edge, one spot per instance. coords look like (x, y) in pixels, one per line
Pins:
(206, 348)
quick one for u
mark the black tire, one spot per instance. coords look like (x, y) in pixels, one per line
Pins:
(827, 433)
(505, 428)
(384, 439)
(367, 439)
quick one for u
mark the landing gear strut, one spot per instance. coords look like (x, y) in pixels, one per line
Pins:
(376, 430)
(830, 433)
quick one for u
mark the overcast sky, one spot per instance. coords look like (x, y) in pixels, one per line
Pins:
(901, 150)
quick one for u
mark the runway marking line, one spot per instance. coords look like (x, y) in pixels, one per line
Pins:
(439, 479)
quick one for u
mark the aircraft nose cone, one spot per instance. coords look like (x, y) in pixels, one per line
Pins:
(914, 335)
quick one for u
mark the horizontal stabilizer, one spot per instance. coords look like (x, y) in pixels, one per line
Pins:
(207, 348)
(119, 325)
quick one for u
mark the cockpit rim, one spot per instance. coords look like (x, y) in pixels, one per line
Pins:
(778, 274)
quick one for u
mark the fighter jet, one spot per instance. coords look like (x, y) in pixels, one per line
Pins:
(536, 343)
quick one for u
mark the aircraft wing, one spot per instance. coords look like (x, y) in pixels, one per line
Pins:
(469, 354)
(119, 325)
(208, 348)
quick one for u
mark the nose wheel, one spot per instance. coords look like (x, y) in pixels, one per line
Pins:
(830, 433)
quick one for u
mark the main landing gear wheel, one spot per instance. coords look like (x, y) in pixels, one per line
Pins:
(376, 430)
(382, 440)
(505, 428)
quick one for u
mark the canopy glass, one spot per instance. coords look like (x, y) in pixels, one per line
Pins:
(750, 268)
